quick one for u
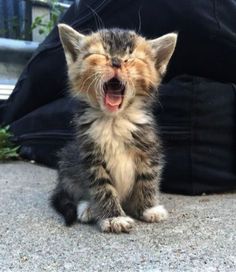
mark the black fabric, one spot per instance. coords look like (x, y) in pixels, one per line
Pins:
(39, 110)
(197, 118)
(44, 131)
(206, 44)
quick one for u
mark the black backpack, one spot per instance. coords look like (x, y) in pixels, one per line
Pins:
(195, 115)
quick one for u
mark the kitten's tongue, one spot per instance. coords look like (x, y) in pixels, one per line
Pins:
(114, 93)
(113, 101)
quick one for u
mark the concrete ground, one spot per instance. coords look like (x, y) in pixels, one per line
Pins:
(200, 234)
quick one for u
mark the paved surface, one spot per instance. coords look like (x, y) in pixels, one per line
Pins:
(200, 234)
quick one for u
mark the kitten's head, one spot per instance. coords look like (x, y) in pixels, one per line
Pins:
(110, 69)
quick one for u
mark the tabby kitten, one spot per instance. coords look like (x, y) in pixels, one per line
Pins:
(112, 168)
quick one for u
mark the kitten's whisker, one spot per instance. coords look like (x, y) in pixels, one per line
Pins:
(139, 21)
(136, 76)
(132, 89)
(85, 80)
(99, 88)
(88, 78)
(92, 75)
(94, 82)
(89, 94)
(91, 83)
(98, 20)
(98, 85)
(150, 81)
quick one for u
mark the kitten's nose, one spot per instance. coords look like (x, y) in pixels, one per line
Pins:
(116, 62)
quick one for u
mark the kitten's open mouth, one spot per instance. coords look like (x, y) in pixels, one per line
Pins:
(114, 91)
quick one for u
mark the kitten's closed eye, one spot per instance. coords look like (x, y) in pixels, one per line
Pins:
(133, 59)
(93, 54)
(142, 60)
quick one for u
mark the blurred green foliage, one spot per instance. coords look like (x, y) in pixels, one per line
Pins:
(45, 26)
(7, 149)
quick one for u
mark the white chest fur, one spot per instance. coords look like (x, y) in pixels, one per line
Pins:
(112, 135)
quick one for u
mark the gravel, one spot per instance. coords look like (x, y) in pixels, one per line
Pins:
(200, 234)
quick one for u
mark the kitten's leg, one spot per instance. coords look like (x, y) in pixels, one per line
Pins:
(62, 201)
(143, 203)
(155, 214)
(106, 204)
(85, 213)
(70, 188)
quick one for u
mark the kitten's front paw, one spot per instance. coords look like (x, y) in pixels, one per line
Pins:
(116, 224)
(84, 212)
(155, 214)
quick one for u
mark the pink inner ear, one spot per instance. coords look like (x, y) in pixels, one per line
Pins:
(164, 48)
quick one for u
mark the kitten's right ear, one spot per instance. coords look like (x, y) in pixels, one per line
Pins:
(71, 41)
(163, 47)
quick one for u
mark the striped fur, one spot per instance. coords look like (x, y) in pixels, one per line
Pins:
(112, 169)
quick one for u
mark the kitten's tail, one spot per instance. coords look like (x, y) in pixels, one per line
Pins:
(64, 204)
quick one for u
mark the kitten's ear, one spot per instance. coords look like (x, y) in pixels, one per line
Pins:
(163, 48)
(71, 41)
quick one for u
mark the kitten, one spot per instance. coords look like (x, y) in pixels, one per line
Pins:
(113, 167)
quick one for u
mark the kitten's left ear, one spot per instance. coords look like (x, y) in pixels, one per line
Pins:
(163, 49)
(71, 41)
